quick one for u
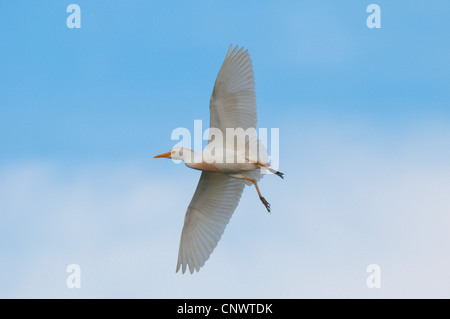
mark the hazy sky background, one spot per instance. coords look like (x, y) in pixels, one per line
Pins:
(364, 120)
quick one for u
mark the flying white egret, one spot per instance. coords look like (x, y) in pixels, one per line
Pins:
(232, 105)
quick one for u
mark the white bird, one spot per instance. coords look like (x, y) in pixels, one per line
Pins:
(232, 105)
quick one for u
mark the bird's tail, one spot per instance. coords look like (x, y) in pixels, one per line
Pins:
(259, 157)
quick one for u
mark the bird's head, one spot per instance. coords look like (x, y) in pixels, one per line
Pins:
(178, 153)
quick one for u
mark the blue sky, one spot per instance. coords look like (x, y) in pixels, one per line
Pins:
(364, 119)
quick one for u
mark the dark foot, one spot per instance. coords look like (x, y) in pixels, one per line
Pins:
(280, 174)
(266, 203)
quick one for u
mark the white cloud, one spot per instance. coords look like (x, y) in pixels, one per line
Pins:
(343, 205)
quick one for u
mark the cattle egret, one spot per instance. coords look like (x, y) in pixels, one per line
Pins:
(232, 105)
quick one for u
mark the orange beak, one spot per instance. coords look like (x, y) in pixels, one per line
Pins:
(165, 155)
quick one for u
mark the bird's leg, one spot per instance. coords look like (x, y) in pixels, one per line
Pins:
(263, 200)
(271, 169)
(268, 168)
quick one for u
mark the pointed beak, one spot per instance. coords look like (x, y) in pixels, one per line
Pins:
(165, 155)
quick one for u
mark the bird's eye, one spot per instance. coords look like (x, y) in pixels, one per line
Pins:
(181, 153)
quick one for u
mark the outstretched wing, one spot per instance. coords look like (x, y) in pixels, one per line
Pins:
(233, 101)
(232, 105)
(210, 210)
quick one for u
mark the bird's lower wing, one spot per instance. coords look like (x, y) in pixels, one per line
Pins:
(210, 210)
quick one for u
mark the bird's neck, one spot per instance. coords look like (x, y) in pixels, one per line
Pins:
(188, 157)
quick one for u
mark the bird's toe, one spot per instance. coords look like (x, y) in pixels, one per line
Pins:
(266, 203)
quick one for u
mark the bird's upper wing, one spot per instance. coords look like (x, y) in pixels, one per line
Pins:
(210, 210)
(233, 101)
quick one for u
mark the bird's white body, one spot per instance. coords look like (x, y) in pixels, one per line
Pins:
(227, 170)
(233, 162)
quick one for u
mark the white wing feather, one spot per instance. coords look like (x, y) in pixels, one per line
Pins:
(210, 210)
(233, 101)
(232, 105)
